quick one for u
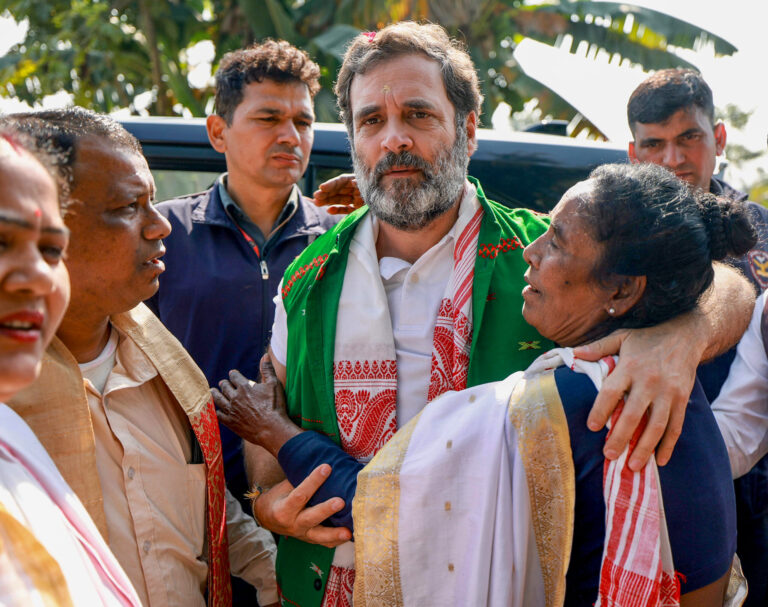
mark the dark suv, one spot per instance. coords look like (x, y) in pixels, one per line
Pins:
(517, 169)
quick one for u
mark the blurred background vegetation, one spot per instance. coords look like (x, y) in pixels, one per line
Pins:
(156, 57)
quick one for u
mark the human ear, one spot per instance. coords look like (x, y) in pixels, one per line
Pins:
(626, 294)
(215, 126)
(720, 138)
(471, 126)
(631, 152)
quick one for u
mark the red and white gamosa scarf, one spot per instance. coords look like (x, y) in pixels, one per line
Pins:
(637, 568)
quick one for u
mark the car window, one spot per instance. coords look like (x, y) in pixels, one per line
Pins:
(316, 175)
(170, 184)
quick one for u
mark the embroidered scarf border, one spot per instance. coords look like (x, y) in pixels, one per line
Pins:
(379, 491)
(544, 444)
(190, 388)
(366, 390)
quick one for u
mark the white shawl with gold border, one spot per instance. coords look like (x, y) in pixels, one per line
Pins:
(454, 512)
(478, 538)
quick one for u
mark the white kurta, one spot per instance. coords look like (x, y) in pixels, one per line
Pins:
(402, 302)
(414, 292)
(741, 409)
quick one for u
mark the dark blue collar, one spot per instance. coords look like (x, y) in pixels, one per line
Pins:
(210, 210)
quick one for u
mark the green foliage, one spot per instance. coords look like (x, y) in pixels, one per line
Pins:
(105, 52)
(739, 154)
(625, 32)
(759, 190)
(734, 116)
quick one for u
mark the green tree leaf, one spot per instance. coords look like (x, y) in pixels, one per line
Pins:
(334, 40)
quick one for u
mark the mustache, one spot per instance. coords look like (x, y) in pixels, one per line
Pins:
(283, 148)
(403, 159)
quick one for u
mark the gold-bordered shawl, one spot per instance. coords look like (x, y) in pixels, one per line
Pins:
(544, 443)
(32, 560)
(536, 412)
(55, 407)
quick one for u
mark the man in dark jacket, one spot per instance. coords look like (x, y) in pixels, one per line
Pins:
(230, 244)
(672, 118)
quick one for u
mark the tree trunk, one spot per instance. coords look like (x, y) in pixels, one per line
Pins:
(154, 56)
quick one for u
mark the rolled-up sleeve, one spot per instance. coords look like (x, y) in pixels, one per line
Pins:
(303, 453)
(741, 409)
(252, 552)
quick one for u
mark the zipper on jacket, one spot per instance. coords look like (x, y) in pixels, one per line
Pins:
(264, 270)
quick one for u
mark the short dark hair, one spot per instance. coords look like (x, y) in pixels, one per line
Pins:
(652, 224)
(408, 38)
(64, 129)
(666, 92)
(276, 60)
(42, 152)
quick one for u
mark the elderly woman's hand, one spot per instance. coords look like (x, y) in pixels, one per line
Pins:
(255, 412)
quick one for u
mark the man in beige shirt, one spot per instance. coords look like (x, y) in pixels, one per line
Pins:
(121, 408)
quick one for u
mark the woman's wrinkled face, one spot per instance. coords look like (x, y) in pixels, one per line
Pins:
(562, 300)
(34, 284)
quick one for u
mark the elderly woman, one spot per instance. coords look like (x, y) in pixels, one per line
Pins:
(490, 495)
(50, 551)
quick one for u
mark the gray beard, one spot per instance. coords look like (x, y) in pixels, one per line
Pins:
(410, 204)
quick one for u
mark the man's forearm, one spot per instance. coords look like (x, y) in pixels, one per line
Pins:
(725, 310)
(252, 551)
(261, 468)
(658, 367)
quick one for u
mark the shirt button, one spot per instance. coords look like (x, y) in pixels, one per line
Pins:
(146, 546)
(414, 279)
(131, 473)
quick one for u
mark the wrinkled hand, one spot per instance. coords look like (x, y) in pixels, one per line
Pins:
(657, 369)
(255, 412)
(339, 195)
(282, 510)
